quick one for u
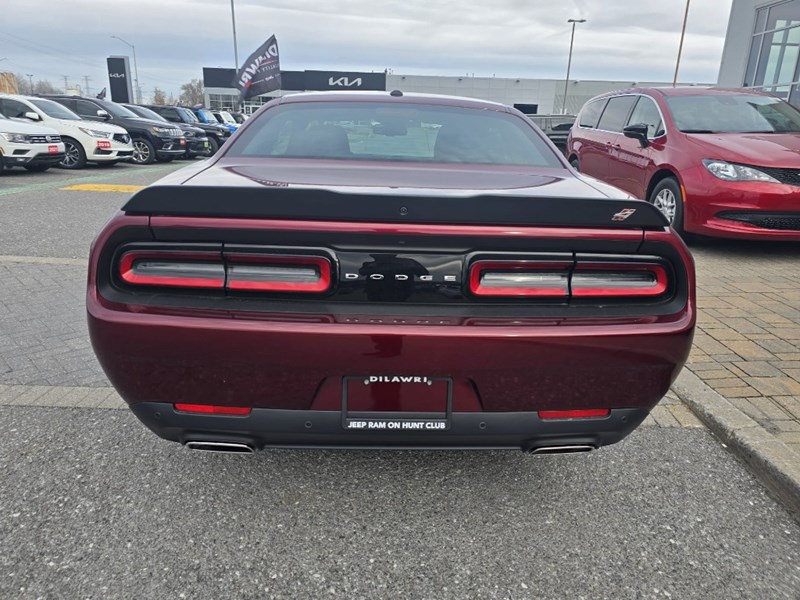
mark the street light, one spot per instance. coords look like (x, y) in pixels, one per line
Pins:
(680, 46)
(30, 79)
(135, 69)
(569, 62)
(235, 46)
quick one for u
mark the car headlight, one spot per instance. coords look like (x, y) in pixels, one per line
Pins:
(19, 138)
(161, 130)
(732, 172)
(188, 133)
(95, 133)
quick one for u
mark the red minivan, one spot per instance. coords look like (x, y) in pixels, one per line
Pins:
(717, 162)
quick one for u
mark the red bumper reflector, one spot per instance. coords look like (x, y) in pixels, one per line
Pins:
(213, 409)
(589, 413)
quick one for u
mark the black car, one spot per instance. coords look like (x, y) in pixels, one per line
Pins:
(152, 140)
(196, 138)
(217, 134)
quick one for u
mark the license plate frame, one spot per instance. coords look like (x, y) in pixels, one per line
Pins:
(397, 422)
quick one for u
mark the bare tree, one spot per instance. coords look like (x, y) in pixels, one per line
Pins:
(43, 86)
(192, 93)
(159, 97)
(171, 101)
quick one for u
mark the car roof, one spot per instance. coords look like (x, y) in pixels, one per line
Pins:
(406, 98)
(687, 90)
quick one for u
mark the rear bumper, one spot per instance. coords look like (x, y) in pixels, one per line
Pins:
(309, 428)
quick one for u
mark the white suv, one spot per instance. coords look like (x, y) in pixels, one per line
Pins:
(34, 147)
(84, 141)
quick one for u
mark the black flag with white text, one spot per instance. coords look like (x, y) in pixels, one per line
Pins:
(261, 73)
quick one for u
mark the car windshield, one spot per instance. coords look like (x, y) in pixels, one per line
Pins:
(410, 132)
(729, 113)
(54, 109)
(208, 115)
(146, 113)
(227, 117)
(189, 115)
(118, 110)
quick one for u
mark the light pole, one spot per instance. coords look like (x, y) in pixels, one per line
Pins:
(30, 79)
(569, 61)
(135, 69)
(235, 46)
(680, 46)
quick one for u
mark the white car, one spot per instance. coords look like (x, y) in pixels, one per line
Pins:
(84, 141)
(34, 147)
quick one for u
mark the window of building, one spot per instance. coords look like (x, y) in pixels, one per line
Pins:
(775, 50)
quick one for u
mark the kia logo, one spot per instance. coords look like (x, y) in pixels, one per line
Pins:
(344, 82)
(117, 75)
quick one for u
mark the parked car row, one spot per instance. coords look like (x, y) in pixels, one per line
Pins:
(78, 130)
(715, 162)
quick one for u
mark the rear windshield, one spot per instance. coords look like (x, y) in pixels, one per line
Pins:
(733, 114)
(407, 133)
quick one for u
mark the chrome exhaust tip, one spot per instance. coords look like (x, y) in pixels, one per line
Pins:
(562, 449)
(227, 447)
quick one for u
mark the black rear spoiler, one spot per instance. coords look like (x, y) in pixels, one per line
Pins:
(328, 205)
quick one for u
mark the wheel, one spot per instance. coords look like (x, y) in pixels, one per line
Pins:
(213, 146)
(37, 168)
(143, 152)
(74, 155)
(109, 163)
(667, 198)
(575, 164)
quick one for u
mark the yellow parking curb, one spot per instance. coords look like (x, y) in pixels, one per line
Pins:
(103, 187)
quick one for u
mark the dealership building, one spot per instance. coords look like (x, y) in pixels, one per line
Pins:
(762, 48)
(531, 96)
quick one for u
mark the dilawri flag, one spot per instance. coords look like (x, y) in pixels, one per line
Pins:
(261, 73)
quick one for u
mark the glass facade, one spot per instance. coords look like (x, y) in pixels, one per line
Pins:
(773, 64)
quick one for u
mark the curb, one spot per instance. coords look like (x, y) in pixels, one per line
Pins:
(772, 462)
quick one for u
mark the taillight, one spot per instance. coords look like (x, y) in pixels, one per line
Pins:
(567, 279)
(173, 269)
(213, 409)
(587, 413)
(623, 279)
(268, 273)
(520, 278)
(232, 271)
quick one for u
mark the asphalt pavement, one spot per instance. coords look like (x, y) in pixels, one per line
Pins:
(92, 505)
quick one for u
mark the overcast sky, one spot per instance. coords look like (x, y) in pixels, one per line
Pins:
(634, 40)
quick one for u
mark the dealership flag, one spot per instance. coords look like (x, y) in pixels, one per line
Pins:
(261, 73)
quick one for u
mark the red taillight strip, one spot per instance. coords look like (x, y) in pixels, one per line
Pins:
(213, 409)
(588, 280)
(553, 278)
(244, 275)
(587, 413)
(186, 269)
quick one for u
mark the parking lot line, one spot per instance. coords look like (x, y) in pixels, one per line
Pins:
(102, 187)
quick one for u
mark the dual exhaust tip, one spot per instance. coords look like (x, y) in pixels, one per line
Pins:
(238, 448)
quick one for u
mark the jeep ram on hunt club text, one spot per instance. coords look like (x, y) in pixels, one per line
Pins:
(388, 270)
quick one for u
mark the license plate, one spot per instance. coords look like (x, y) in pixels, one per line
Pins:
(205, 144)
(52, 149)
(404, 403)
(182, 142)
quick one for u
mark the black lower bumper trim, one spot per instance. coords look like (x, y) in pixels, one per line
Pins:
(310, 428)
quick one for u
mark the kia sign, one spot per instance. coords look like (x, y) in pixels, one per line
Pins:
(338, 80)
(119, 79)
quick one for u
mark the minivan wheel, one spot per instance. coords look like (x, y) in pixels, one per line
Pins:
(667, 198)
(575, 164)
(143, 152)
(74, 155)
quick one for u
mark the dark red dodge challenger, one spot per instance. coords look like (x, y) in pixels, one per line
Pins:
(389, 270)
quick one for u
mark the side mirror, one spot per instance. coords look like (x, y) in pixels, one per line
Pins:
(637, 132)
(32, 116)
(103, 115)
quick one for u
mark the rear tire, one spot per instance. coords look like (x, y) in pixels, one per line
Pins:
(213, 146)
(74, 155)
(668, 198)
(143, 152)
